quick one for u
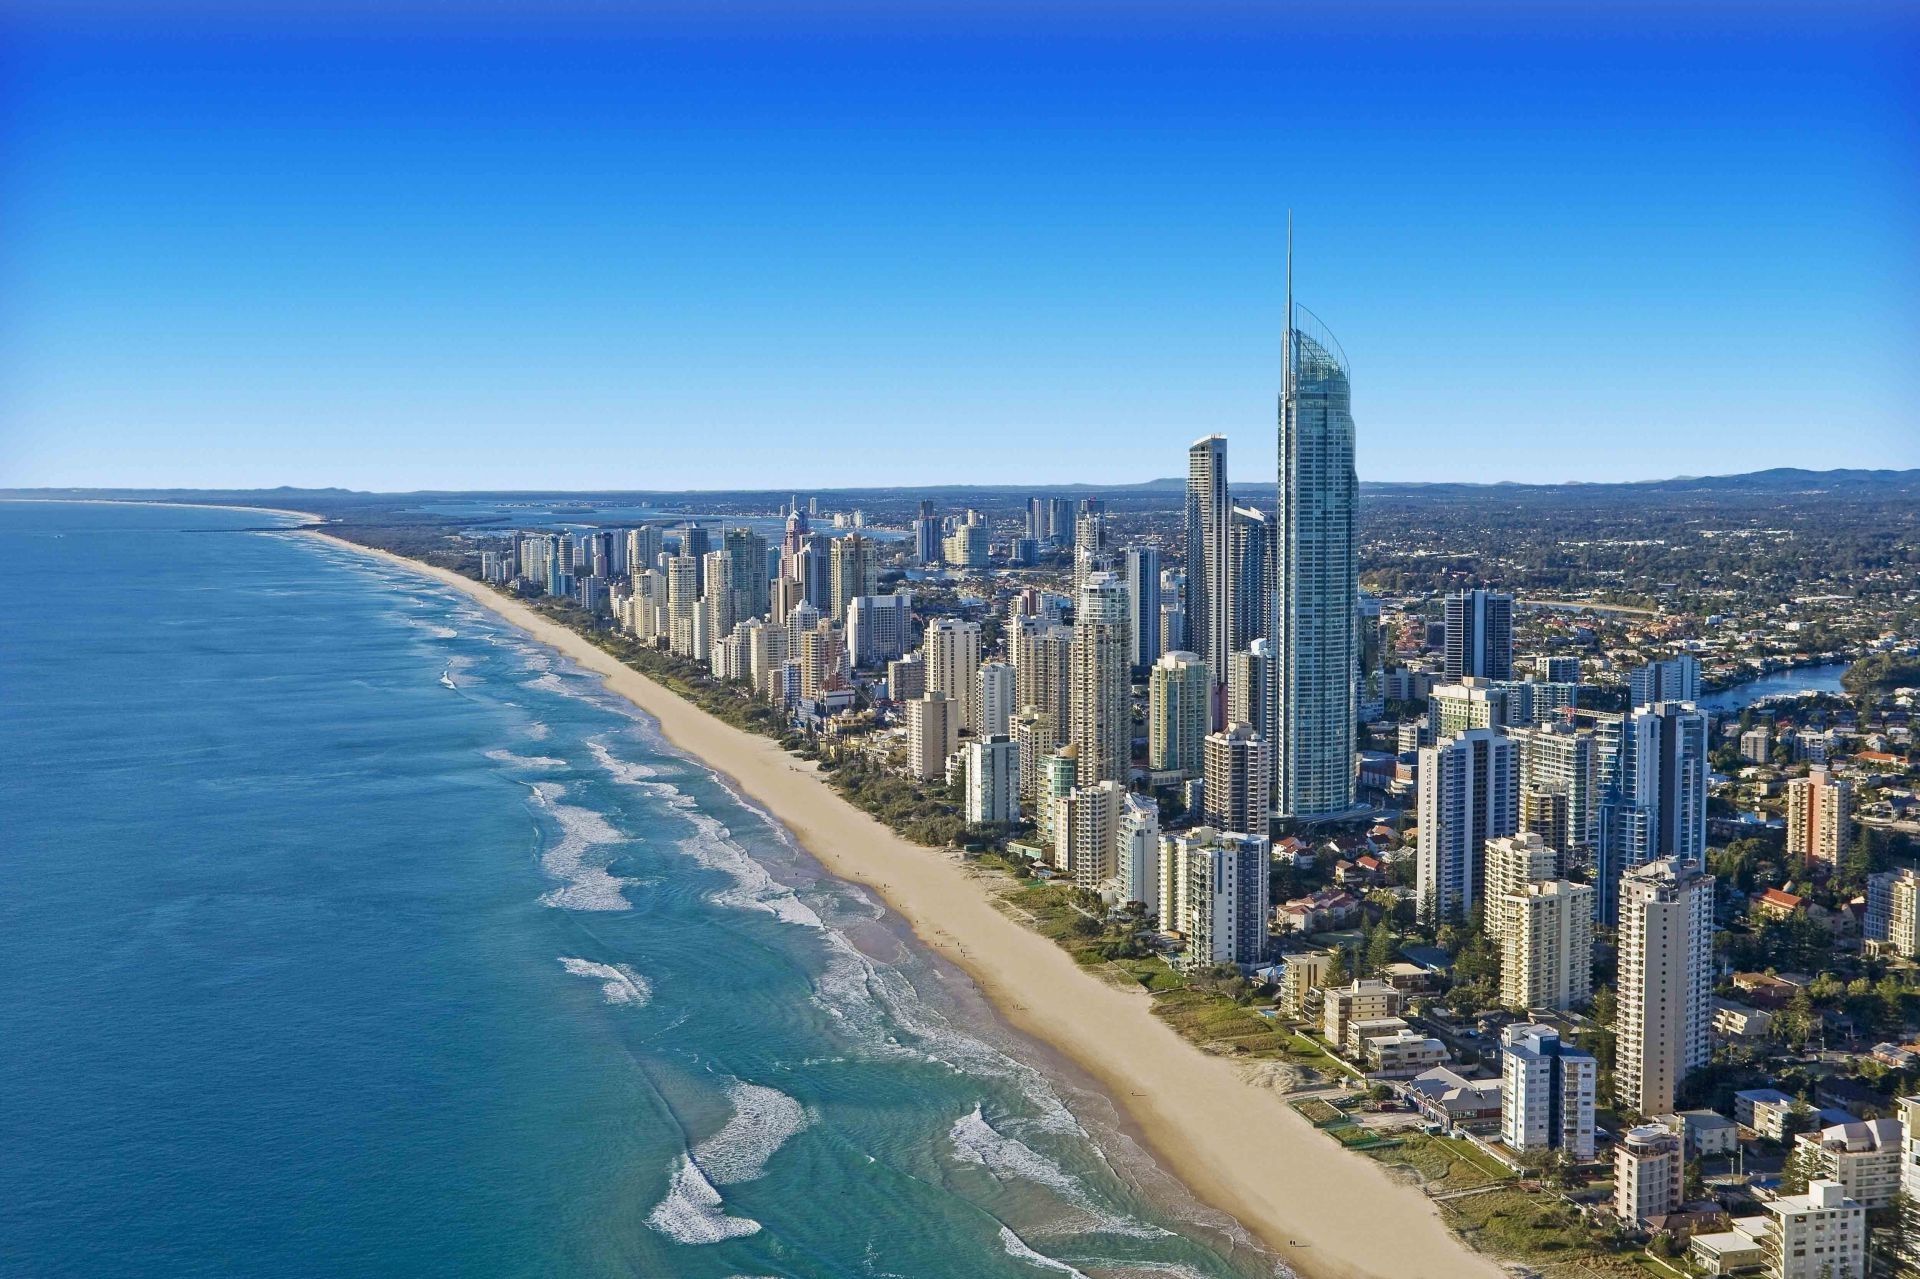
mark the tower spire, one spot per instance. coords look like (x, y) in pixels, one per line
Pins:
(1287, 372)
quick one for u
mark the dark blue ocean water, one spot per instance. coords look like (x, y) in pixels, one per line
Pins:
(311, 964)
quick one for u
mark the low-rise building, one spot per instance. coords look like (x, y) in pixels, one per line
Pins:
(1705, 1132)
(1300, 973)
(1738, 1021)
(1819, 1235)
(1403, 1054)
(1766, 1111)
(1446, 1096)
(1731, 1251)
(1360, 1001)
(1862, 1157)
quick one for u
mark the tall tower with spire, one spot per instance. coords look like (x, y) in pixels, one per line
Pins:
(1317, 585)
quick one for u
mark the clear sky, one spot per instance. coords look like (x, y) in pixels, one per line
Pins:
(731, 245)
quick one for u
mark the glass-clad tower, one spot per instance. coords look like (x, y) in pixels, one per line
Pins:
(1318, 577)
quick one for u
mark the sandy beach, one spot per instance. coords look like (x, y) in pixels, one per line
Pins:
(1239, 1148)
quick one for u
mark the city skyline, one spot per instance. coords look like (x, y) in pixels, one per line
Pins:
(252, 250)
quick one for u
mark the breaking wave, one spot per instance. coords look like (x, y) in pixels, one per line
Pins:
(692, 1213)
(619, 983)
(588, 886)
(764, 1119)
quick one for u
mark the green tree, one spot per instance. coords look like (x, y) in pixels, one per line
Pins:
(1338, 970)
(1381, 948)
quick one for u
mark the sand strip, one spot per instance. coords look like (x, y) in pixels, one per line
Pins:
(1331, 1214)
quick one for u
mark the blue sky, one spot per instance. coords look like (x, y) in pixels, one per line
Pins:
(666, 246)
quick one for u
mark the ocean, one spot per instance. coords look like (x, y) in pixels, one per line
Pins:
(346, 931)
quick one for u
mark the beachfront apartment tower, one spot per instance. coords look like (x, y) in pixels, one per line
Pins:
(1100, 708)
(1546, 948)
(1317, 575)
(1665, 981)
(1546, 1093)
(1209, 545)
(993, 781)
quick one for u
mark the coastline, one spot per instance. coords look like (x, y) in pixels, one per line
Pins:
(1328, 1213)
(305, 517)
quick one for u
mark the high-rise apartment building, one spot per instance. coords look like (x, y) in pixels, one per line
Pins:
(1665, 980)
(952, 651)
(1471, 703)
(993, 700)
(1512, 862)
(1653, 769)
(1546, 1093)
(1087, 823)
(933, 733)
(878, 628)
(1209, 542)
(1235, 796)
(1100, 720)
(1141, 567)
(1138, 850)
(926, 536)
(1546, 946)
(1250, 688)
(853, 573)
(993, 782)
(1179, 693)
(1250, 571)
(1479, 635)
(1561, 759)
(1903, 918)
(1318, 576)
(1220, 895)
(1469, 793)
(1677, 679)
(1819, 816)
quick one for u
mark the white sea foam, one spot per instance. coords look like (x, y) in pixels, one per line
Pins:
(625, 772)
(538, 730)
(588, 886)
(525, 761)
(692, 1211)
(764, 1119)
(619, 983)
(976, 1141)
(1018, 1250)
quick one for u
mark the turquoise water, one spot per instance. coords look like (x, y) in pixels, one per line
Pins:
(311, 964)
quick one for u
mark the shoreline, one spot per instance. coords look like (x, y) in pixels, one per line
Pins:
(1328, 1213)
(305, 517)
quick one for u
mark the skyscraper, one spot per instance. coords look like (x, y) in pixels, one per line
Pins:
(993, 781)
(952, 650)
(1249, 576)
(1666, 977)
(1676, 679)
(748, 552)
(696, 542)
(1653, 767)
(1237, 772)
(1209, 544)
(1479, 635)
(1101, 722)
(1178, 694)
(926, 535)
(1142, 569)
(1318, 574)
(1469, 793)
(1219, 896)
(852, 573)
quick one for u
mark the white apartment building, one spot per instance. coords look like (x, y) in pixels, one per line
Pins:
(1139, 850)
(1546, 1093)
(1819, 1235)
(993, 781)
(951, 648)
(994, 697)
(1649, 1167)
(1665, 981)
(1221, 901)
(1863, 1156)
